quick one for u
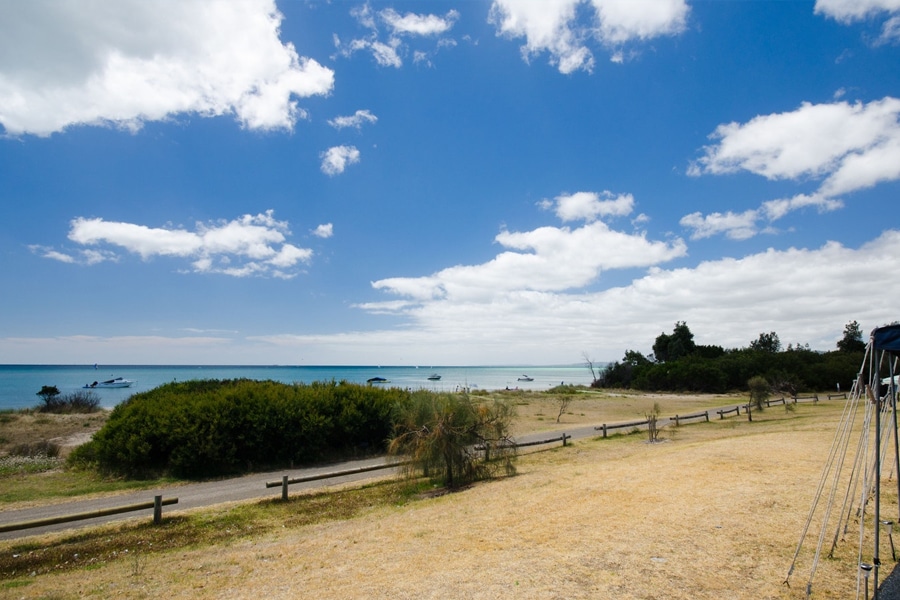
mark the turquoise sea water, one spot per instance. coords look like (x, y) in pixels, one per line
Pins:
(19, 384)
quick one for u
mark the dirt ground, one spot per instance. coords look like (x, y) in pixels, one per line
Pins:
(713, 511)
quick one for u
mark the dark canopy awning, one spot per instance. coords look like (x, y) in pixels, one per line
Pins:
(887, 338)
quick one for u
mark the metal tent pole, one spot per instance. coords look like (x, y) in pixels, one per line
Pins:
(876, 559)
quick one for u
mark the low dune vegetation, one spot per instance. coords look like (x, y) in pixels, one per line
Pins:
(208, 428)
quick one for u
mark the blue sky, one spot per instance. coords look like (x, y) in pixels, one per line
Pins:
(455, 183)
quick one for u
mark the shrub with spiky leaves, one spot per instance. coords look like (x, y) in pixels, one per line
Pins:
(454, 437)
(760, 390)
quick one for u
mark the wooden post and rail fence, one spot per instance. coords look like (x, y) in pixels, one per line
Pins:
(156, 505)
(605, 428)
(677, 419)
(286, 481)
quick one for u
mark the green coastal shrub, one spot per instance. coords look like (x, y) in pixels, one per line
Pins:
(214, 427)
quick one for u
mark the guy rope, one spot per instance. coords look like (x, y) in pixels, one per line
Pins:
(874, 391)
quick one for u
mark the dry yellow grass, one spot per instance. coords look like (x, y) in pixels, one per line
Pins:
(715, 511)
(67, 431)
(537, 411)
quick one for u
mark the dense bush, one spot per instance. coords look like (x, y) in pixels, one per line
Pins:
(213, 427)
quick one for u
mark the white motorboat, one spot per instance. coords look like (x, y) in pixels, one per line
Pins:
(118, 382)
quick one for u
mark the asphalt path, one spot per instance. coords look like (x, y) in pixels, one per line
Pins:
(249, 487)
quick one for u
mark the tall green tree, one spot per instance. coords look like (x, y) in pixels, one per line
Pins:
(635, 358)
(767, 342)
(677, 345)
(853, 338)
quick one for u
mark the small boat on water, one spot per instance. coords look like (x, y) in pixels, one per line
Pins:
(377, 380)
(434, 377)
(118, 382)
(526, 378)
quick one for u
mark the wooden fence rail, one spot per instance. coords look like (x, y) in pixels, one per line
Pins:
(561, 438)
(841, 395)
(156, 505)
(814, 398)
(286, 481)
(724, 411)
(606, 427)
(679, 418)
(781, 400)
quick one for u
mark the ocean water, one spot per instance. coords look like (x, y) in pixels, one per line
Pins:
(19, 384)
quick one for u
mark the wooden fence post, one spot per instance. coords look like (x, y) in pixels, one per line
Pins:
(157, 510)
(284, 487)
(604, 431)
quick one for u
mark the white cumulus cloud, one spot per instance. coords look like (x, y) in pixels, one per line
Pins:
(552, 26)
(324, 231)
(416, 24)
(336, 159)
(356, 120)
(496, 309)
(803, 294)
(620, 21)
(249, 245)
(388, 48)
(542, 260)
(737, 226)
(589, 206)
(850, 11)
(67, 62)
(811, 141)
(844, 147)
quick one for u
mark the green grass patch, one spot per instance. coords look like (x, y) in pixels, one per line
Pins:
(27, 465)
(15, 583)
(15, 487)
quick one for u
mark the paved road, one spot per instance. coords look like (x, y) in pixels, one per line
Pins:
(209, 493)
(190, 496)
